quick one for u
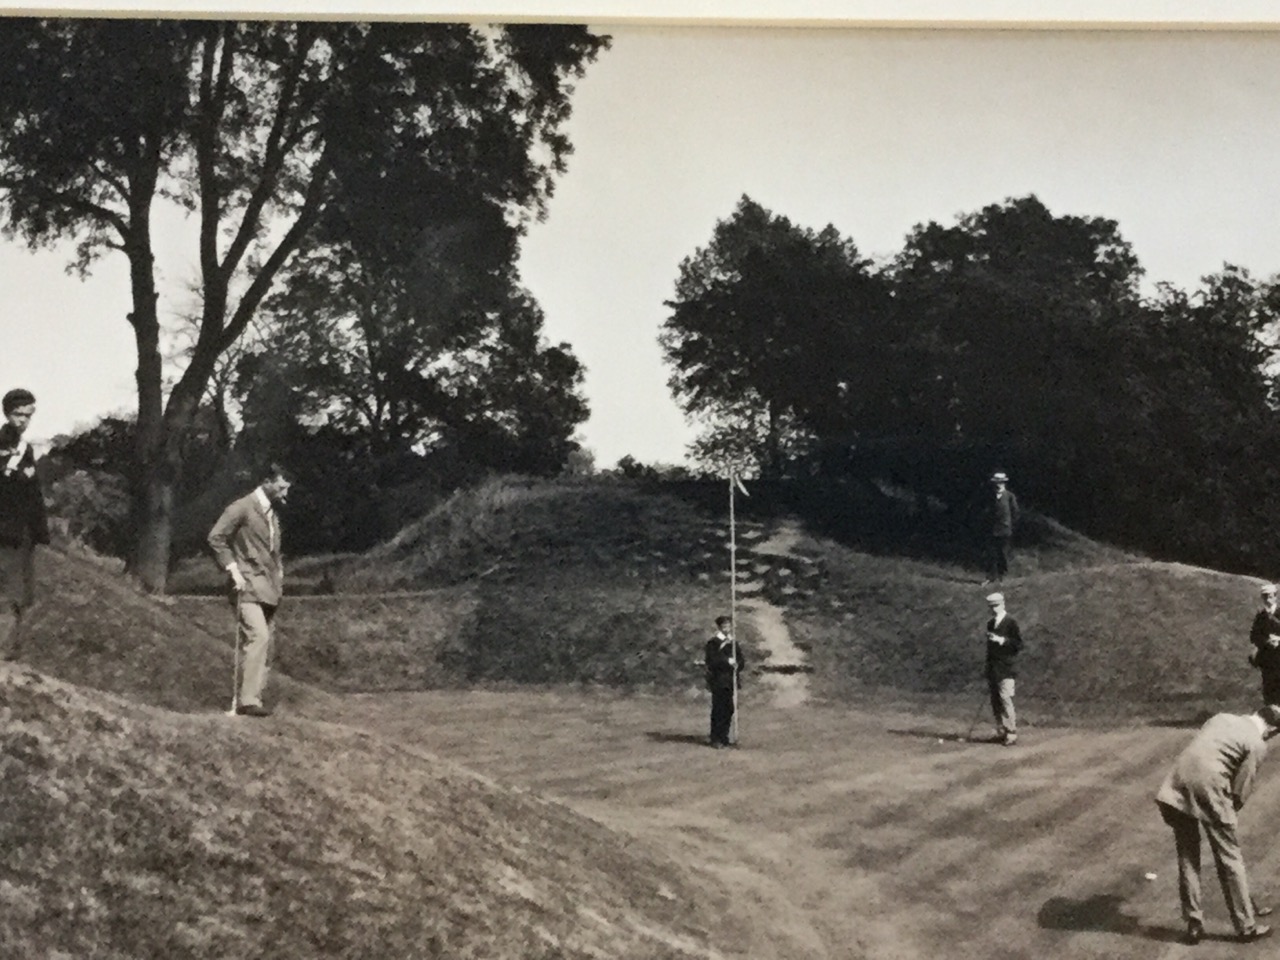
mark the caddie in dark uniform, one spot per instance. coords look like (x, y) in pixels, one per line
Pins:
(1265, 637)
(725, 663)
(1004, 641)
(23, 522)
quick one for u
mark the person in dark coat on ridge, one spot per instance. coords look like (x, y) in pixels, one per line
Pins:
(724, 663)
(23, 521)
(1000, 517)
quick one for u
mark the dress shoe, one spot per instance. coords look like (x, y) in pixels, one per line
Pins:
(1262, 911)
(1010, 739)
(1195, 933)
(1257, 933)
(252, 710)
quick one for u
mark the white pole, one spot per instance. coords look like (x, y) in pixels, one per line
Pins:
(733, 610)
(235, 663)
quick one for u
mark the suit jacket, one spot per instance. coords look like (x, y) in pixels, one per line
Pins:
(719, 659)
(1266, 657)
(243, 535)
(1003, 513)
(1002, 658)
(23, 519)
(1214, 774)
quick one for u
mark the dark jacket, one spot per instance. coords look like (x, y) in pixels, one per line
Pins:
(1002, 512)
(1002, 657)
(22, 511)
(1266, 658)
(720, 654)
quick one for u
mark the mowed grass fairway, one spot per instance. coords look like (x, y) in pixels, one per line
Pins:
(488, 743)
(848, 834)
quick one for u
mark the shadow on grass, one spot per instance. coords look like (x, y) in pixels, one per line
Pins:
(663, 736)
(1101, 912)
(1182, 723)
(948, 735)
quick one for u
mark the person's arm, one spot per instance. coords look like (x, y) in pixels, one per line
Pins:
(1242, 783)
(1014, 643)
(220, 542)
(39, 515)
(1014, 512)
(1260, 629)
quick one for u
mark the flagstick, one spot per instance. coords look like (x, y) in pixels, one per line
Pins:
(733, 610)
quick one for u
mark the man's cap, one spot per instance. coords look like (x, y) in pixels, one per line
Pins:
(995, 598)
(999, 477)
(1268, 590)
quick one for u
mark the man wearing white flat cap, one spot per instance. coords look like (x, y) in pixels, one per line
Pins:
(1265, 637)
(1004, 641)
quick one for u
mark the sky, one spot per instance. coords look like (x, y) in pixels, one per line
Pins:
(1172, 134)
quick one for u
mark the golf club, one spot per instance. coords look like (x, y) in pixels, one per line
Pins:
(235, 664)
(977, 715)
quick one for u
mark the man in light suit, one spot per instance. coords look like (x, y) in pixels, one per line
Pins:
(1209, 783)
(246, 544)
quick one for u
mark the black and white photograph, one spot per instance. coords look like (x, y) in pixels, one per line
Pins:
(597, 483)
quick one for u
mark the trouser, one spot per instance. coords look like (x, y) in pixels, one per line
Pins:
(1271, 685)
(1226, 856)
(999, 556)
(1002, 705)
(253, 634)
(721, 714)
(11, 630)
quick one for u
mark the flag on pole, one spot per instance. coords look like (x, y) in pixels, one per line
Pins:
(738, 483)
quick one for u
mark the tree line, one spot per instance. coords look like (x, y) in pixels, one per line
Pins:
(1011, 338)
(358, 191)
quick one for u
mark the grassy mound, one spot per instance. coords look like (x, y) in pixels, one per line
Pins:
(609, 583)
(1120, 640)
(91, 627)
(132, 832)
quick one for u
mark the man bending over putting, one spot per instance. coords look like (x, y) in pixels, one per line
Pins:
(1206, 788)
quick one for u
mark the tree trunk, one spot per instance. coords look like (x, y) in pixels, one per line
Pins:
(150, 563)
(155, 477)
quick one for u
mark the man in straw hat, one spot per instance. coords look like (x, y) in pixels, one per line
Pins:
(1265, 637)
(1001, 515)
(1209, 783)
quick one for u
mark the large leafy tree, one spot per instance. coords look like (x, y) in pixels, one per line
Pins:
(776, 316)
(252, 126)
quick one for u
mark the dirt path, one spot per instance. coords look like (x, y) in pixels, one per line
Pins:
(854, 835)
(789, 689)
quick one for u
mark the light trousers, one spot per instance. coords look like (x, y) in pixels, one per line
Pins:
(1226, 856)
(10, 630)
(1002, 705)
(253, 634)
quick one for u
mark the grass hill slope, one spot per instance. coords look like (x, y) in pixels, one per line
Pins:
(91, 627)
(615, 584)
(134, 832)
